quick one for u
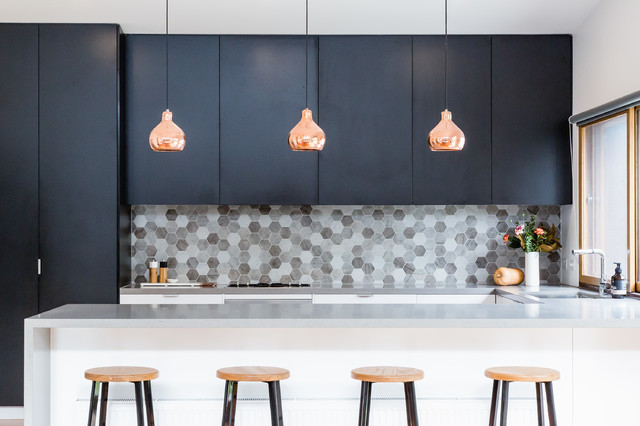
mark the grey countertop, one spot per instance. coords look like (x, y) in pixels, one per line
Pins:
(344, 289)
(548, 307)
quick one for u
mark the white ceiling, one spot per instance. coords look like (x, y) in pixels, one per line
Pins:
(325, 16)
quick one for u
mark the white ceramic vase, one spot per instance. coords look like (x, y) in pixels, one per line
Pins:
(532, 269)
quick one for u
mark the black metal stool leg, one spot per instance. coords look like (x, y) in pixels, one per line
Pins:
(103, 403)
(551, 406)
(93, 403)
(410, 401)
(275, 402)
(229, 408)
(365, 404)
(139, 404)
(540, 404)
(505, 403)
(148, 401)
(494, 403)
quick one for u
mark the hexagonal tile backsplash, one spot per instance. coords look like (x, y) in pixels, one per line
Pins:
(403, 246)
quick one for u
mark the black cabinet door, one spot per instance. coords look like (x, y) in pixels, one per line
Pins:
(262, 96)
(462, 177)
(365, 111)
(192, 175)
(19, 205)
(532, 97)
(79, 148)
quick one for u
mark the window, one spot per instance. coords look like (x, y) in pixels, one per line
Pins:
(607, 197)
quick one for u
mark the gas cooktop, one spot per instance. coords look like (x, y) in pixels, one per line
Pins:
(269, 285)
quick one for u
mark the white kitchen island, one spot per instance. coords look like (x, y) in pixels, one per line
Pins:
(593, 343)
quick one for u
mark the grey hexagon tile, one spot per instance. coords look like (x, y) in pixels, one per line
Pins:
(414, 246)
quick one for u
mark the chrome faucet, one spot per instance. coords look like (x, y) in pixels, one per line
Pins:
(603, 278)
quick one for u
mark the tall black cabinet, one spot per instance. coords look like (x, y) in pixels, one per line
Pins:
(79, 156)
(59, 176)
(19, 205)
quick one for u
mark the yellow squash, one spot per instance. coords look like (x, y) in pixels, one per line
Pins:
(508, 276)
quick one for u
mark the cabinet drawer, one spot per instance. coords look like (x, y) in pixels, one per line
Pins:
(171, 299)
(453, 299)
(364, 298)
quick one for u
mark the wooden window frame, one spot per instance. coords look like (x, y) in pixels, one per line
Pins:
(632, 196)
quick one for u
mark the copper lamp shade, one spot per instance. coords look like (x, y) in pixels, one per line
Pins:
(306, 135)
(446, 136)
(167, 136)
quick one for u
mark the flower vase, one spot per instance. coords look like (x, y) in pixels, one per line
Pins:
(532, 269)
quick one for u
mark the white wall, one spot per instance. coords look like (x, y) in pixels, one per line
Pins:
(325, 16)
(606, 66)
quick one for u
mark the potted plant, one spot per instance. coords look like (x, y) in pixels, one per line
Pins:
(532, 240)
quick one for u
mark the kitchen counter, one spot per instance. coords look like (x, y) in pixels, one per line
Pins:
(323, 289)
(529, 312)
(320, 343)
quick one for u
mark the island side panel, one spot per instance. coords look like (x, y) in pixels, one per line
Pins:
(37, 375)
(606, 381)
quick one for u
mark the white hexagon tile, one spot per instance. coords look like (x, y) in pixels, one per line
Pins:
(401, 246)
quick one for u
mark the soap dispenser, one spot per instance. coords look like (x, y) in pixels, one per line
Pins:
(618, 283)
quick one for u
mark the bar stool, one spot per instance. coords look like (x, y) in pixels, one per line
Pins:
(269, 375)
(502, 376)
(139, 376)
(370, 375)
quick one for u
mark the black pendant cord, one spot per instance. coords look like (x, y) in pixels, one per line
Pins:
(446, 36)
(166, 47)
(306, 57)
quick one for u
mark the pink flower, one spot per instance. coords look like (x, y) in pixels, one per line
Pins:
(539, 231)
(505, 238)
(519, 229)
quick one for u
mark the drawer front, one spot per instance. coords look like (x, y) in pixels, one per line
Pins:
(456, 299)
(171, 299)
(364, 298)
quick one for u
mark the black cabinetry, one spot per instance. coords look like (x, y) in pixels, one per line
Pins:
(262, 95)
(79, 164)
(452, 177)
(532, 101)
(190, 176)
(19, 205)
(376, 97)
(365, 111)
(59, 176)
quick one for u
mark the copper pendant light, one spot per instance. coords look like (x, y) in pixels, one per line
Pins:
(306, 135)
(446, 136)
(167, 136)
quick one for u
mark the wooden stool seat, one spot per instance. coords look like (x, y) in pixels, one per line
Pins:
(384, 374)
(121, 374)
(252, 374)
(522, 374)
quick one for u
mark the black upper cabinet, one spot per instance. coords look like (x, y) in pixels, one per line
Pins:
(462, 177)
(79, 163)
(192, 175)
(365, 111)
(19, 206)
(532, 92)
(262, 82)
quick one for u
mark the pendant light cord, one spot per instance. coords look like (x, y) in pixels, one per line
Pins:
(166, 46)
(446, 35)
(306, 57)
